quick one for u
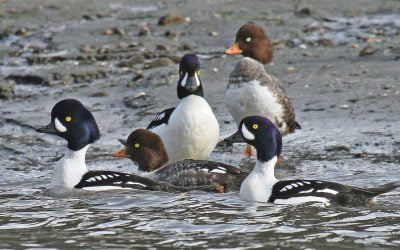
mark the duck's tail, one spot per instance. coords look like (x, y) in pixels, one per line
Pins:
(384, 188)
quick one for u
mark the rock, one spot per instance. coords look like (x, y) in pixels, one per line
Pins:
(336, 148)
(87, 49)
(29, 79)
(7, 90)
(144, 29)
(367, 51)
(99, 94)
(114, 31)
(213, 33)
(186, 46)
(171, 19)
(160, 62)
(162, 47)
(132, 61)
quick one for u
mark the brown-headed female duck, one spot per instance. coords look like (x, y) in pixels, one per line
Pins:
(251, 90)
(147, 150)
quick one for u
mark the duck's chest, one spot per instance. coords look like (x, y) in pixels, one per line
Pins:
(251, 98)
(257, 187)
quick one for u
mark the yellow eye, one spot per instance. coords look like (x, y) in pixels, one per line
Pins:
(198, 72)
(137, 145)
(68, 119)
(255, 126)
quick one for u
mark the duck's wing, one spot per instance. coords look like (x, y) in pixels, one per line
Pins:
(101, 180)
(161, 118)
(202, 172)
(314, 190)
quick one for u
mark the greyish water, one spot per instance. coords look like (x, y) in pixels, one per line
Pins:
(348, 107)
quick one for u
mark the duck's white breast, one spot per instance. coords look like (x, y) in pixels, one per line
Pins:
(250, 98)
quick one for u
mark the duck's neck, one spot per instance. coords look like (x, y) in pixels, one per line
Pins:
(69, 170)
(266, 168)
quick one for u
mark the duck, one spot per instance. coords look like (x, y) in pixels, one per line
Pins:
(251, 90)
(261, 185)
(72, 121)
(190, 130)
(147, 150)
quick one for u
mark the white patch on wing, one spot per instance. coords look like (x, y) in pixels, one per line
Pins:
(161, 116)
(59, 126)
(103, 188)
(302, 199)
(219, 170)
(328, 190)
(91, 179)
(300, 184)
(110, 176)
(307, 182)
(294, 185)
(247, 134)
(104, 177)
(136, 183)
(183, 82)
(306, 191)
(98, 178)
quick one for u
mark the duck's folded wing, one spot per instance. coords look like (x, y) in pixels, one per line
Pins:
(161, 118)
(332, 192)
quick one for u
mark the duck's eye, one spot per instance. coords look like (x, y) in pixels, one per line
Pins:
(255, 126)
(137, 145)
(68, 118)
(248, 39)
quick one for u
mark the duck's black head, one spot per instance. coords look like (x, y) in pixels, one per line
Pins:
(73, 122)
(189, 76)
(262, 134)
(145, 148)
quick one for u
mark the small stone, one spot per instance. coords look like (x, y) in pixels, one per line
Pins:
(7, 90)
(171, 19)
(213, 33)
(145, 29)
(215, 70)
(162, 47)
(139, 95)
(339, 147)
(160, 62)
(291, 69)
(355, 46)
(186, 46)
(344, 106)
(367, 51)
(132, 61)
(114, 31)
(303, 46)
(87, 49)
(99, 94)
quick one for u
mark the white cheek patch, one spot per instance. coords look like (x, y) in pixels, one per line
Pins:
(183, 82)
(197, 79)
(247, 134)
(59, 126)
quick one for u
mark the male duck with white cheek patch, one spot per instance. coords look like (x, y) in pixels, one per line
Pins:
(147, 150)
(251, 90)
(191, 130)
(261, 184)
(73, 122)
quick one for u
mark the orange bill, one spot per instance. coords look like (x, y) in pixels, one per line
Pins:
(121, 154)
(234, 49)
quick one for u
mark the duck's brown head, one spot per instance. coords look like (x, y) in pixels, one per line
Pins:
(252, 41)
(145, 148)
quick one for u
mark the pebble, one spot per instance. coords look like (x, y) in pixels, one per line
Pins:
(171, 19)
(213, 33)
(160, 62)
(367, 50)
(132, 61)
(99, 94)
(215, 70)
(344, 106)
(303, 46)
(7, 90)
